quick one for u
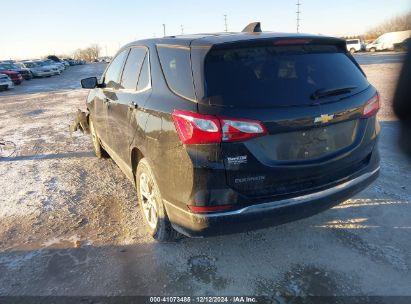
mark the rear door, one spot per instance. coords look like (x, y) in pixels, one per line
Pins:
(308, 95)
(125, 114)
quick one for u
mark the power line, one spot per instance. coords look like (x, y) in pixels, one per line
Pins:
(298, 15)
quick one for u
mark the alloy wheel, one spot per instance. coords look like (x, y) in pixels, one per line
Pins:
(148, 200)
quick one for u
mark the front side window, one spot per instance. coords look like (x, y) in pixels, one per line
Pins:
(176, 65)
(132, 68)
(112, 76)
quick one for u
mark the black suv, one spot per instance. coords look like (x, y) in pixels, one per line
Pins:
(229, 132)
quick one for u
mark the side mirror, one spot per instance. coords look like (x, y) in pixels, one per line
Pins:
(89, 83)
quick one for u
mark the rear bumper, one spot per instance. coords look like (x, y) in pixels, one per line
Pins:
(266, 214)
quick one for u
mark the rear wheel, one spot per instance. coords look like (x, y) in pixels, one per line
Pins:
(372, 50)
(352, 50)
(151, 204)
(98, 149)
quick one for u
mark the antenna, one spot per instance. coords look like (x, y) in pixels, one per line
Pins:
(298, 15)
(182, 29)
(164, 29)
(225, 23)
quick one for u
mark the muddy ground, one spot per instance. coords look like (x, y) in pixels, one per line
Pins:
(69, 223)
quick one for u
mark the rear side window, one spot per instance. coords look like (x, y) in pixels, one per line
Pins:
(112, 76)
(132, 68)
(261, 76)
(176, 66)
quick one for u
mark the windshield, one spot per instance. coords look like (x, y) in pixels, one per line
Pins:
(6, 66)
(31, 64)
(278, 75)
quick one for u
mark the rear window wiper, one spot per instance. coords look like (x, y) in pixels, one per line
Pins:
(331, 92)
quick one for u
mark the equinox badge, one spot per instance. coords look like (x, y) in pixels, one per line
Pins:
(324, 118)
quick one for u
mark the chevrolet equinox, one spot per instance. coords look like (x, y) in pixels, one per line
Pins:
(228, 132)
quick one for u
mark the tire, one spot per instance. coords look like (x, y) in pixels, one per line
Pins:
(151, 205)
(352, 50)
(372, 50)
(98, 149)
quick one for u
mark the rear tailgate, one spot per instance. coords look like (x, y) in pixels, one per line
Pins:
(309, 142)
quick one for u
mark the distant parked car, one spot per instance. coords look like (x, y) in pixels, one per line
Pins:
(59, 65)
(25, 73)
(56, 70)
(5, 82)
(354, 45)
(14, 76)
(70, 61)
(37, 69)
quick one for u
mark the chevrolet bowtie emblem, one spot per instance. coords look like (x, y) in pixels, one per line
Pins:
(324, 118)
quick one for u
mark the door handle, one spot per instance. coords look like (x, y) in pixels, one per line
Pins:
(133, 105)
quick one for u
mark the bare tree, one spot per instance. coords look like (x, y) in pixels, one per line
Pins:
(94, 51)
(88, 54)
(398, 23)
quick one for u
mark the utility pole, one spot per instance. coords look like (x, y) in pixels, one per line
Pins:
(298, 15)
(182, 29)
(225, 23)
(164, 29)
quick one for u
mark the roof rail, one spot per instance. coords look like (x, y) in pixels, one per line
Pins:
(254, 27)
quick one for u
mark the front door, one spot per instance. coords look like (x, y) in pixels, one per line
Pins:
(108, 95)
(126, 117)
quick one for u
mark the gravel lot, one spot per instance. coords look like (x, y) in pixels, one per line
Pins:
(70, 224)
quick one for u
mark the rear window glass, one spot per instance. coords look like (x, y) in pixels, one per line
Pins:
(176, 65)
(262, 76)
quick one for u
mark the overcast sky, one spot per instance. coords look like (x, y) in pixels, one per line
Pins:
(37, 28)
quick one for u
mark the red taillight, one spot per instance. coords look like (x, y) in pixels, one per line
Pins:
(207, 209)
(241, 129)
(372, 106)
(194, 128)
